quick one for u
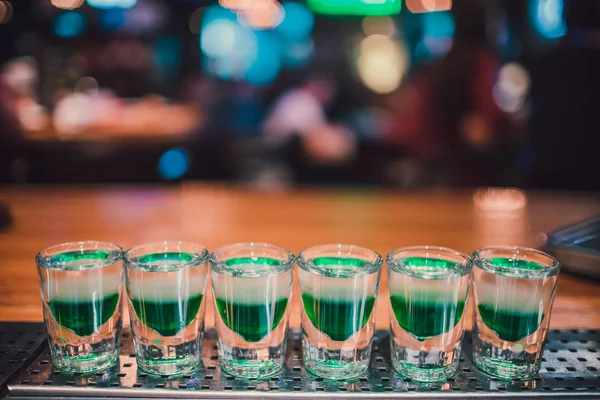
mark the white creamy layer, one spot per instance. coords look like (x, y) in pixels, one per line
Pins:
(440, 289)
(340, 289)
(82, 286)
(509, 294)
(259, 290)
(166, 287)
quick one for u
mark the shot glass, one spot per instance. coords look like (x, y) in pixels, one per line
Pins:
(429, 287)
(339, 285)
(513, 290)
(252, 285)
(81, 295)
(165, 288)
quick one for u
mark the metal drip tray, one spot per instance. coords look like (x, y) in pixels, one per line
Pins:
(570, 368)
(19, 341)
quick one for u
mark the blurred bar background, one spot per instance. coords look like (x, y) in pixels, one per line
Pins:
(272, 94)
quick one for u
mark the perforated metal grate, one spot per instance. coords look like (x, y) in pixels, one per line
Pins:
(18, 342)
(571, 367)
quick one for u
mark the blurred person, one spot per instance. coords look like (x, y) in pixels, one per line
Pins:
(301, 112)
(445, 117)
(564, 118)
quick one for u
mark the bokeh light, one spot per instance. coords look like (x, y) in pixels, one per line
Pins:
(235, 4)
(146, 17)
(512, 87)
(438, 31)
(221, 37)
(422, 6)
(499, 202)
(230, 48)
(297, 54)
(378, 26)
(262, 14)
(173, 163)
(111, 19)
(547, 18)
(6, 11)
(69, 24)
(105, 4)
(167, 52)
(382, 63)
(297, 23)
(266, 65)
(67, 4)
(355, 7)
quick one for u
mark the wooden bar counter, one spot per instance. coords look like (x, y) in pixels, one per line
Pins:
(219, 215)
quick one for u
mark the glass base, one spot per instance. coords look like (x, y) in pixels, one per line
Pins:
(335, 364)
(255, 363)
(85, 363)
(505, 369)
(251, 369)
(506, 360)
(424, 372)
(87, 357)
(169, 360)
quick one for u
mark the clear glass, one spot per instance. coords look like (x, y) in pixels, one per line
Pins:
(429, 288)
(166, 282)
(252, 286)
(513, 290)
(339, 285)
(81, 295)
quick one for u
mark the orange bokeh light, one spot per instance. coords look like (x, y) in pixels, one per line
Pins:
(67, 4)
(422, 6)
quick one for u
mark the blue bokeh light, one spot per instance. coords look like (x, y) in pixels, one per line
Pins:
(107, 4)
(174, 163)
(234, 51)
(547, 18)
(167, 52)
(438, 31)
(266, 64)
(69, 24)
(111, 19)
(298, 22)
(297, 54)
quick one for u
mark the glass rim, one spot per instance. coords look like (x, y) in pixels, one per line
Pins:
(218, 264)
(42, 258)
(396, 264)
(199, 256)
(370, 267)
(483, 263)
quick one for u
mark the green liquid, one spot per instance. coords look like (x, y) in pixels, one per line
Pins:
(424, 319)
(84, 317)
(516, 264)
(511, 326)
(348, 262)
(250, 260)
(70, 256)
(425, 314)
(156, 257)
(338, 319)
(167, 317)
(429, 262)
(251, 321)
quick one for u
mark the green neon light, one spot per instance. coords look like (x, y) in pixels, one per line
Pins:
(355, 7)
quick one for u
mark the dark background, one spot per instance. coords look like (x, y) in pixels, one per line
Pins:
(494, 93)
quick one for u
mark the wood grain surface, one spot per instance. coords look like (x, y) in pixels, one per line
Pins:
(219, 215)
